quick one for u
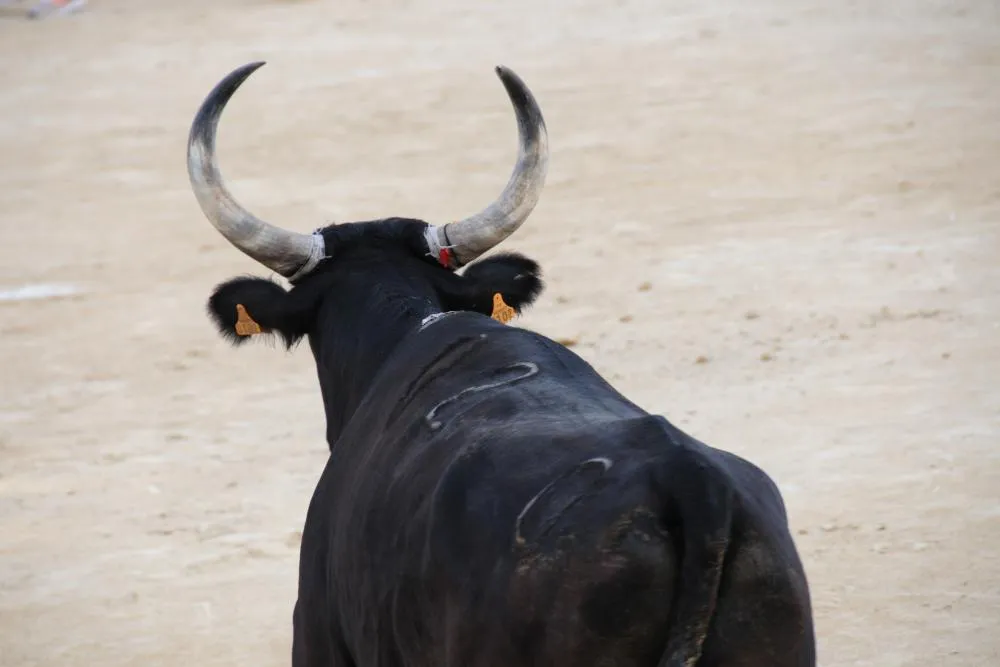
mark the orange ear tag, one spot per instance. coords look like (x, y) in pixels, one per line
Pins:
(501, 311)
(245, 326)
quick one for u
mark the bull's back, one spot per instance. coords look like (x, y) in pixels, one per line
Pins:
(512, 516)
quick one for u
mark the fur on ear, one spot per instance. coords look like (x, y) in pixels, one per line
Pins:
(516, 277)
(277, 311)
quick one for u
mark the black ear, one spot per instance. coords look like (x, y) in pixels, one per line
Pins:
(516, 277)
(275, 310)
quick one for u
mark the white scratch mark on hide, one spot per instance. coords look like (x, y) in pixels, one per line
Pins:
(432, 318)
(605, 462)
(530, 369)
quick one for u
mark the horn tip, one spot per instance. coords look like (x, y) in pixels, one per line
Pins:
(240, 74)
(253, 66)
(513, 83)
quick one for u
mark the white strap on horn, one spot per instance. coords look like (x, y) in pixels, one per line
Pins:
(316, 254)
(442, 254)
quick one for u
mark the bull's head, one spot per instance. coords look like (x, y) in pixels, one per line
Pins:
(410, 259)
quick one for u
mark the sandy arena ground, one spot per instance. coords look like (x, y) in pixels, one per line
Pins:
(776, 222)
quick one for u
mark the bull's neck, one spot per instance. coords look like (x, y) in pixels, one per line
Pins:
(350, 352)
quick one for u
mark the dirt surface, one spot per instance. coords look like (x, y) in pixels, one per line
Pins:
(777, 223)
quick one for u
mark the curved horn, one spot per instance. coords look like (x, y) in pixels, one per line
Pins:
(289, 253)
(471, 237)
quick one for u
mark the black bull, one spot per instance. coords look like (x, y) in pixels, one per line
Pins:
(493, 501)
(489, 499)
